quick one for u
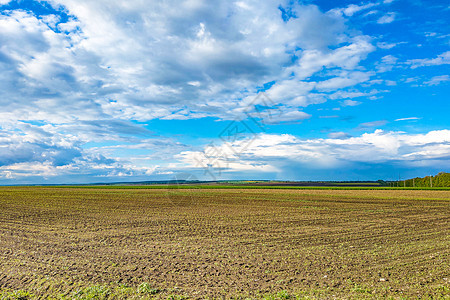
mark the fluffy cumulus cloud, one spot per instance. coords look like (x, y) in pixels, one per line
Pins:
(280, 154)
(89, 62)
(136, 61)
(44, 152)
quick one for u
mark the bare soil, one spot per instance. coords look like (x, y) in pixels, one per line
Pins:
(214, 243)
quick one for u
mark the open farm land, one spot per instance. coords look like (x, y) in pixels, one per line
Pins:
(78, 242)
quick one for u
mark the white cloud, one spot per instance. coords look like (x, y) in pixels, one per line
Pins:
(338, 135)
(390, 82)
(353, 94)
(35, 151)
(345, 79)
(349, 102)
(297, 93)
(85, 79)
(367, 125)
(436, 80)
(279, 153)
(441, 59)
(112, 50)
(387, 18)
(387, 63)
(384, 45)
(372, 12)
(291, 116)
(329, 117)
(407, 119)
(351, 9)
(411, 79)
(389, 59)
(346, 57)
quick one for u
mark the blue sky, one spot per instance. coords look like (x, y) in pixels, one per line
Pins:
(104, 91)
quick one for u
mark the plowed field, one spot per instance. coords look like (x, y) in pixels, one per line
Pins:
(222, 243)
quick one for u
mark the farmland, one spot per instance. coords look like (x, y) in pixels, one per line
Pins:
(76, 242)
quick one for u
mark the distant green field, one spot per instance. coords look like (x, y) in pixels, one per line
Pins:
(358, 183)
(194, 186)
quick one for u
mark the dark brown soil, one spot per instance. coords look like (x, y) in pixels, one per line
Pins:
(210, 243)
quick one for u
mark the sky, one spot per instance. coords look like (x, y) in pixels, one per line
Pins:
(108, 90)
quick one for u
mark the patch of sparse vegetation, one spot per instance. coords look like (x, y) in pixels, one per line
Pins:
(15, 295)
(100, 292)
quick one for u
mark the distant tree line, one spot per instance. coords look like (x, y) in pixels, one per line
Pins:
(440, 180)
